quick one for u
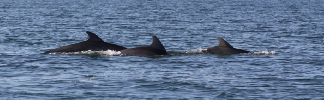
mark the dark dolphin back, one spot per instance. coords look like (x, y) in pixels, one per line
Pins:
(223, 43)
(93, 37)
(223, 48)
(156, 48)
(94, 43)
(157, 44)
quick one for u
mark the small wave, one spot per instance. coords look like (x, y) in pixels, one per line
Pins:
(199, 51)
(117, 53)
(262, 52)
(108, 52)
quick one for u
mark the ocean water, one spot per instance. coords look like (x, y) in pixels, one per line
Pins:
(287, 37)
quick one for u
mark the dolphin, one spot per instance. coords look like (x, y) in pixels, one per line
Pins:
(223, 48)
(156, 48)
(94, 43)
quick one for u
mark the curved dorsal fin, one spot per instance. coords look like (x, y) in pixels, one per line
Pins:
(157, 44)
(93, 37)
(223, 43)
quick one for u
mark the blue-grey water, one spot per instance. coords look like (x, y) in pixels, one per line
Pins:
(292, 30)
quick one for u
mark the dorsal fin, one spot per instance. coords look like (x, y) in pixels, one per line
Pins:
(223, 43)
(93, 37)
(157, 44)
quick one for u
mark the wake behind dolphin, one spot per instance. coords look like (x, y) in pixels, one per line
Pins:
(94, 43)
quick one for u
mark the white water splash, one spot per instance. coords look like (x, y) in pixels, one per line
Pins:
(108, 52)
(198, 51)
(111, 52)
(262, 52)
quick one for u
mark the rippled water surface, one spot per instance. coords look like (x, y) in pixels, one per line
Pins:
(293, 29)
